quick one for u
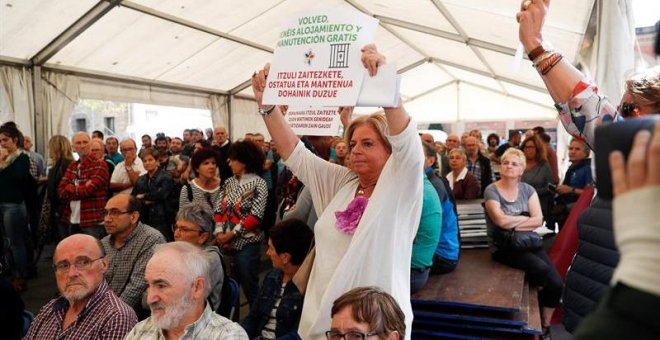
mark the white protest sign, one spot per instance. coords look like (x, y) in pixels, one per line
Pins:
(317, 59)
(314, 121)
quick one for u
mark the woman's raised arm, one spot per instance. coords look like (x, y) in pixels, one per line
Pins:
(561, 79)
(397, 117)
(279, 130)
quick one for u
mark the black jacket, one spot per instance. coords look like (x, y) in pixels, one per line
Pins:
(486, 173)
(593, 264)
(155, 189)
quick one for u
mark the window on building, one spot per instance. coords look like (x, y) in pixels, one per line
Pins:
(109, 126)
(81, 125)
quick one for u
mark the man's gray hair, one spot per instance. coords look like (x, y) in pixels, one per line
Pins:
(194, 263)
(198, 214)
(129, 140)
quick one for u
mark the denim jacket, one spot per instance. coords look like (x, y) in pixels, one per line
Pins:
(288, 312)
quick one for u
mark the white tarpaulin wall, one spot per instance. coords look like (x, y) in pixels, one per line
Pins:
(455, 56)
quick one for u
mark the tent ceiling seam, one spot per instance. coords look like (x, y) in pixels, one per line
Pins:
(187, 23)
(465, 38)
(394, 33)
(73, 31)
(446, 35)
(486, 74)
(131, 80)
(431, 90)
(545, 106)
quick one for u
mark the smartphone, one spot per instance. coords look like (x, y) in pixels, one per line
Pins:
(616, 136)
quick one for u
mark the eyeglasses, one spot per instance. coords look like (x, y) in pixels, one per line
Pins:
(176, 228)
(82, 263)
(127, 149)
(332, 335)
(113, 213)
(626, 109)
(507, 163)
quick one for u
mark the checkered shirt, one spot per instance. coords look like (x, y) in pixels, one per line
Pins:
(241, 209)
(125, 273)
(104, 317)
(92, 197)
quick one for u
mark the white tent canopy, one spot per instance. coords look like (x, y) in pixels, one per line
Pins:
(455, 56)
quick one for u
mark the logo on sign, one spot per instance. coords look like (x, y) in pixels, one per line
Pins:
(339, 55)
(308, 57)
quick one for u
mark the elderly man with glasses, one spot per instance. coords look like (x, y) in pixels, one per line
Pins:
(87, 307)
(127, 172)
(129, 245)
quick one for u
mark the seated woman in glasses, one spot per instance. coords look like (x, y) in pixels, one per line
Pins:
(463, 184)
(366, 313)
(195, 224)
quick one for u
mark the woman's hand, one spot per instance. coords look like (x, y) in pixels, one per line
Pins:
(643, 168)
(564, 189)
(259, 83)
(224, 238)
(531, 19)
(371, 59)
(346, 115)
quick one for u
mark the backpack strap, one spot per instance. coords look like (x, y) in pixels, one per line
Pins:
(190, 193)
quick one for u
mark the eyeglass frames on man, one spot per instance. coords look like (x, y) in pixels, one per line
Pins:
(82, 263)
(113, 212)
(333, 335)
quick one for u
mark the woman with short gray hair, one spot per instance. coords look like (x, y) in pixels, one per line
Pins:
(194, 224)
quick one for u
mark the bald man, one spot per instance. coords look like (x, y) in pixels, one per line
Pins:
(87, 307)
(221, 143)
(442, 160)
(84, 189)
(453, 141)
(477, 164)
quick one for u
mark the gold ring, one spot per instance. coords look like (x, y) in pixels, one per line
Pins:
(526, 4)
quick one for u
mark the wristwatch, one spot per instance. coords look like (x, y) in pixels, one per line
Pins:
(266, 111)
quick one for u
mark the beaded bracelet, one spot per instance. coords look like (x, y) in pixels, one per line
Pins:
(541, 58)
(549, 63)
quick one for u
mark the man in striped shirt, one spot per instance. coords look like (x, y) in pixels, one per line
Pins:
(87, 309)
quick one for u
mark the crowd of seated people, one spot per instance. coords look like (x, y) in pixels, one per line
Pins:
(143, 234)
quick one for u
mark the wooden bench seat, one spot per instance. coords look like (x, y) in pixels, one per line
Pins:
(480, 299)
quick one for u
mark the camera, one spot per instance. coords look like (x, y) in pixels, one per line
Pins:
(616, 136)
(552, 187)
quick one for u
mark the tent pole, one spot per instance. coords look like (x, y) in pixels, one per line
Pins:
(230, 99)
(40, 119)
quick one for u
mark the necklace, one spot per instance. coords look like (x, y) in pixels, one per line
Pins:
(361, 189)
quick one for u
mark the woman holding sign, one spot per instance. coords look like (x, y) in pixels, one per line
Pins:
(368, 216)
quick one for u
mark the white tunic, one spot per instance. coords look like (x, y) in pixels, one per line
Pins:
(379, 252)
